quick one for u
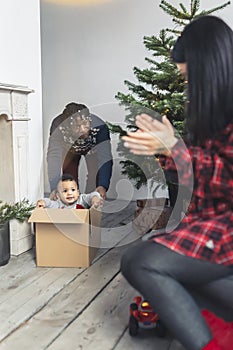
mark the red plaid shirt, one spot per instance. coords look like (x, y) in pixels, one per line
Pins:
(206, 232)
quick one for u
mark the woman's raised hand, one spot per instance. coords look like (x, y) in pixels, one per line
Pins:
(153, 137)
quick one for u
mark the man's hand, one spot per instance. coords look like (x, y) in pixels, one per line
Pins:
(102, 191)
(96, 201)
(53, 195)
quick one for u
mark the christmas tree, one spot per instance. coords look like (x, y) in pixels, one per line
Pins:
(160, 90)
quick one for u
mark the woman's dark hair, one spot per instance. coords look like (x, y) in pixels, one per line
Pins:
(206, 45)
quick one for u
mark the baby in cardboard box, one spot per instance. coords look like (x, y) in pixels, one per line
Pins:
(68, 196)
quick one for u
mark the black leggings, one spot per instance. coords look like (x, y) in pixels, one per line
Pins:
(166, 279)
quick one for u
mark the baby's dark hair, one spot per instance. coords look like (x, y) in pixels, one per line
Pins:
(67, 177)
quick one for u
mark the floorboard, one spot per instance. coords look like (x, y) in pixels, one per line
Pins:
(72, 308)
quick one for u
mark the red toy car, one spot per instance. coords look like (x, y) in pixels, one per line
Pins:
(143, 316)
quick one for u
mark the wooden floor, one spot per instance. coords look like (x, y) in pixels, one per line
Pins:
(75, 308)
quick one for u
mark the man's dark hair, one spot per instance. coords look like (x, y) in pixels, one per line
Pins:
(73, 108)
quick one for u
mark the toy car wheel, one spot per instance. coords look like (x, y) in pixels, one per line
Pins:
(161, 330)
(133, 306)
(133, 326)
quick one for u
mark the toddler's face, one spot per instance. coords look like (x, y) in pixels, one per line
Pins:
(68, 192)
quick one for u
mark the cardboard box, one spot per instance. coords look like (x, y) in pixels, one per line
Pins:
(66, 237)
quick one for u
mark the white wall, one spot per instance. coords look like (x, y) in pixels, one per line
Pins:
(20, 64)
(88, 52)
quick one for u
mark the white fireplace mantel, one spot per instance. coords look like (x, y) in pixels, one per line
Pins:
(14, 157)
(13, 101)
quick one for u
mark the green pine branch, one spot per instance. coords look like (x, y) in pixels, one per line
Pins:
(183, 17)
(214, 9)
(161, 45)
(194, 7)
(20, 211)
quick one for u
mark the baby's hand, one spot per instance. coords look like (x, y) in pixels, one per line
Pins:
(97, 202)
(40, 203)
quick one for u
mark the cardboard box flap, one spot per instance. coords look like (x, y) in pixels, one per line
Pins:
(60, 216)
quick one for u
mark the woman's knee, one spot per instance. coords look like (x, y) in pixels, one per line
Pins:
(129, 261)
(149, 257)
